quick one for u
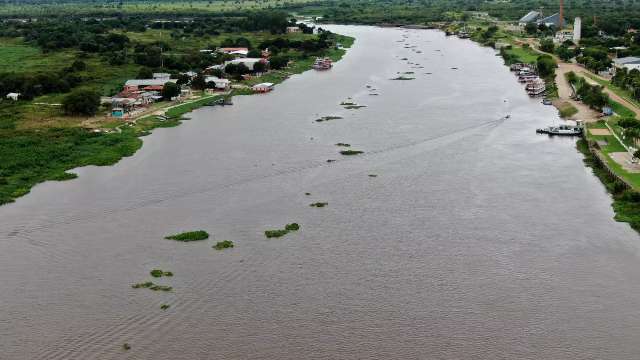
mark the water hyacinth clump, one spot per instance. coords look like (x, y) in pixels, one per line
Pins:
(164, 306)
(292, 227)
(275, 233)
(351, 152)
(328, 118)
(225, 244)
(282, 232)
(189, 236)
(144, 285)
(319, 204)
(343, 144)
(159, 273)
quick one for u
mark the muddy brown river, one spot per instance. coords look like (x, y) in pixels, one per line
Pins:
(478, 239)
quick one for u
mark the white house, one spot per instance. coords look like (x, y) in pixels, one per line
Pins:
(293, 29)
(13, 96)
(629, 63)
(222, 84)
(248, 62)
(162, 76)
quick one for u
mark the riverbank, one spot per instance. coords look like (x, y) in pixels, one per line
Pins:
(32, 156)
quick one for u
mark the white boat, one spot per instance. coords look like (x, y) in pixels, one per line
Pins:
(536, 87)
(562, 130)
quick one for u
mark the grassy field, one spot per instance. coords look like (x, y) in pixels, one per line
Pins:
(523, 55)
(160, 7)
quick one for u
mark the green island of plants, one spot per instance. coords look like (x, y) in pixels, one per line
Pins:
(328, 118)
(164, 306)
(189, 236)
(282, 232)
(343, 144)
(126, 346)
(319, 204)
(150, 285)
(225, 244)
(351, 152)
(159, 273)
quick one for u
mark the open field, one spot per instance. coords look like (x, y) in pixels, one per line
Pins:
(177, 7)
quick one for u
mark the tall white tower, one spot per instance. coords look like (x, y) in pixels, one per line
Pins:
(577, 30)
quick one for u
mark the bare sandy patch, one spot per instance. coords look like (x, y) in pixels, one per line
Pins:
(599, 132)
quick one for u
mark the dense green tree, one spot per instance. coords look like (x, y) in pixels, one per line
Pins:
(81, 102)
(170, 90)
(546, 66)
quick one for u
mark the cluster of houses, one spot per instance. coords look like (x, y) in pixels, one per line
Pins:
(137, 94)
(534, 85)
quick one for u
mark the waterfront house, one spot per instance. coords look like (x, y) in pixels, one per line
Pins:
(263, 87)
(140, 84)
(218, 83)
(293, 29)
(248, 62)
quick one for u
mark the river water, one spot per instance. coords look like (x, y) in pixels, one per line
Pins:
(478, 239)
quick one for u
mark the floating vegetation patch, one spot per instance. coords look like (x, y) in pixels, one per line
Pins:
(164, 306)
(152, 286)
(330, 160)
(347, 103)
(402, 77)
(351, 107)
(374, 94)
(144, 285)
(307, 193)
(328, 118)
(408, 72)
(373, 175)
(161, 288)
(189, 236)
(282, 232)
(275, 233)
(292, 227)
(225, 244)
(159, 273)
(454, 68)
(351, 152)
(126, 346)
(404, 59)
(319, 204)
(343, 144)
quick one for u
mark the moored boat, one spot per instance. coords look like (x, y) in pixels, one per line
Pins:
(562, 130)
(323, 64)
